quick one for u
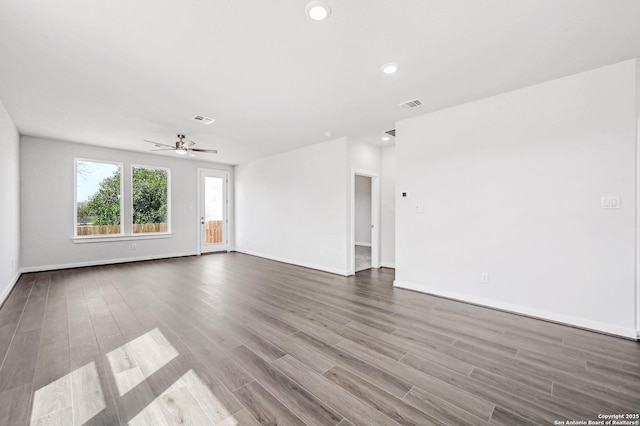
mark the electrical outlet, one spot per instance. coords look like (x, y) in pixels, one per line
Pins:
(484, 277)
(610, 202)
(133, 246)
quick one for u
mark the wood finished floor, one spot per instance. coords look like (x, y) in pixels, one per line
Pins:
(230, 339)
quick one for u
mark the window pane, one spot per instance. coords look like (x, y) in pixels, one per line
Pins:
(150, 196)
(98, 198)
(213, 209)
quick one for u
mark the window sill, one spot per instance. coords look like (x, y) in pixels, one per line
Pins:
(107, 238)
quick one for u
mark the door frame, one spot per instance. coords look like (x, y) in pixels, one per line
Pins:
(222, 173)
(375, 219)
(637, 254)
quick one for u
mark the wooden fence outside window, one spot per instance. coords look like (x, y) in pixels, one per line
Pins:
(213, 230)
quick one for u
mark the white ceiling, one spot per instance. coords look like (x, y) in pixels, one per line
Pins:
(119, 71)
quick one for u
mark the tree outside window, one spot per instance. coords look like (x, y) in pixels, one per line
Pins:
(99, 195)
(98, 198)
(150, 199)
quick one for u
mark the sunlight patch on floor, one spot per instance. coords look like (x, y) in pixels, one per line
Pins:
(72, 399)
(138, 359)
(187, 401)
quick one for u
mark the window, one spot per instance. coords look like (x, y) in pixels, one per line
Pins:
(99, 202)
(150, 199)
(98, 198)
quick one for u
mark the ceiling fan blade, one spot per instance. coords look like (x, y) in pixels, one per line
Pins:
(160, 144)
(211, 151)
(164, 149)
(191, 143)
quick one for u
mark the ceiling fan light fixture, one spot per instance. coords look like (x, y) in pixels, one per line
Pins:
(182, 146)
(318, 10)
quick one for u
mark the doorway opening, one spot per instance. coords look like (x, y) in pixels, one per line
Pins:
(213, 201)
(364, 240)
(362, 222)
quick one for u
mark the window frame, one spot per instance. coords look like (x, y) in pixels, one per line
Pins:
(168, 170)
(75, 200)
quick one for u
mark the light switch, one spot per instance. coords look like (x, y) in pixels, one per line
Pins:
(419, 208)
(610, 202)
(405, 194)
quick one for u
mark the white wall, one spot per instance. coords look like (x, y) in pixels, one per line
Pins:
(363, 210)
(512, 186)
(47, 206)
(9, 204)
(388, 207)
(363, 156)
(291, 206)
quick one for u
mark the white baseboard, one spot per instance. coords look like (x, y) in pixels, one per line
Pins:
(388, 265)
(296, 262)
(530, 312)
(7, 291)
(363, 244)
(104, 262)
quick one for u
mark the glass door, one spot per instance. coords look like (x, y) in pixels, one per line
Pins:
(213, 211)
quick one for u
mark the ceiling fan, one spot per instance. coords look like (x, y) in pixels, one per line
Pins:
(182, 146)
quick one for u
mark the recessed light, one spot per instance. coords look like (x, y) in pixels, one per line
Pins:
(386, 138)
(318, 10)
(390, 68)
(328, 134)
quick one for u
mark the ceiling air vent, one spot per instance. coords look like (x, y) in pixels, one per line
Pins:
(411, 104)
(391, 132)
(203, 119)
